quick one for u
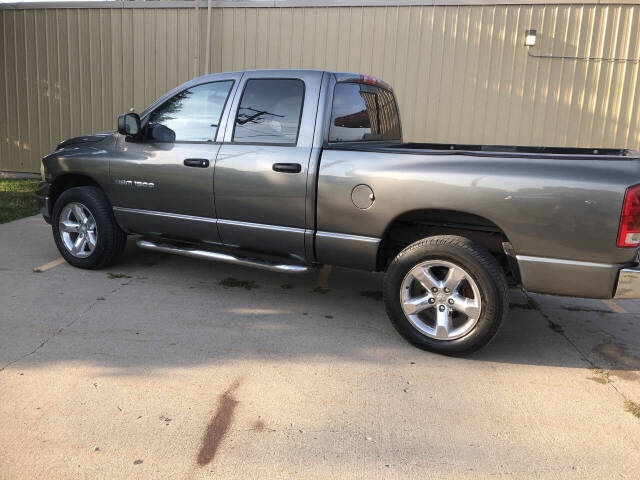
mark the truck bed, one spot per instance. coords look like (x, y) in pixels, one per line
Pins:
(493, 150)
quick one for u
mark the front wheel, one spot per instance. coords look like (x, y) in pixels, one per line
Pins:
(446, 294)
(85, 230)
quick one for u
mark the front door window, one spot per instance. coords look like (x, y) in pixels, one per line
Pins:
(194, 113)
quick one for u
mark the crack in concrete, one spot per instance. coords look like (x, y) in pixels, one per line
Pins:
(562, 332)
(61, 329)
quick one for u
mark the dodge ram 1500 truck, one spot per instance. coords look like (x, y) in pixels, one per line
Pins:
(289, 169)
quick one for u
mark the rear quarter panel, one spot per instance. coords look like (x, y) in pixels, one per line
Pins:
(562, 209)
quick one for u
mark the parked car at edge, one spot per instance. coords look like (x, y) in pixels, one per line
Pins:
(287, 170)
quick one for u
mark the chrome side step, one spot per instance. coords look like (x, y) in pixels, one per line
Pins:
(195, 252)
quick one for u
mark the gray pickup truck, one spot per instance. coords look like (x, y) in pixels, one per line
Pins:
(289, 169)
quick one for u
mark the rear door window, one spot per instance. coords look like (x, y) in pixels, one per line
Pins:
(270, 111)
(363, 113)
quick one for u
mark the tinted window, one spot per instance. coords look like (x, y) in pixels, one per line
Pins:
(194, 114)
(363, 112)
(270, 111)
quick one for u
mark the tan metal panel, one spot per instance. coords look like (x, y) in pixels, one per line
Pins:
(31, 90)
(320, 39)
(158, 52)
(43, 97)
(4, 78)
(136, 60)
(629, 132)
(630, 75)
(94, 101)
(593, 77)
(11, 99)
(184, 63)
(128, 85)
(22, 105)
(448, 72)
(52, 68)
(579, 94)
(108, 121)
(61, 80)
(552, 99)
(117, 58)
(286, 19)
(261, 46)
(461, 72)
(509, 73)
(296, 39)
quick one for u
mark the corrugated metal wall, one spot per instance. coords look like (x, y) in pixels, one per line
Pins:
(461, 73)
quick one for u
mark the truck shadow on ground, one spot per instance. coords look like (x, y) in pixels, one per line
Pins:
(161, 310)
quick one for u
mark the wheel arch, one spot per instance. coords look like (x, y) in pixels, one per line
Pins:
(414, 225)
(66, 181)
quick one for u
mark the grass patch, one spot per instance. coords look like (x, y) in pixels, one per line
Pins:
(17, 198)
(633, 408)
(231, 282)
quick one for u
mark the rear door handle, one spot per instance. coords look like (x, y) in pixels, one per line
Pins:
(196, 162)
(287, 167)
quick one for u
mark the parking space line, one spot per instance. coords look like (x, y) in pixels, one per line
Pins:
(614, 306)
(50, 265)
(323, 277)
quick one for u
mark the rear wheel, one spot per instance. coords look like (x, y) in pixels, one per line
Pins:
(85, 230)
(446, 294)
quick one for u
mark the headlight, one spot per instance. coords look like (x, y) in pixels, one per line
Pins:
(42, 170)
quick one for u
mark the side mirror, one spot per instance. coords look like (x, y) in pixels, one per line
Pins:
(162, 134)
(129, 124)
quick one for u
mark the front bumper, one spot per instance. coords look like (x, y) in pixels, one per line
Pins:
(628, 283)
(42, 194)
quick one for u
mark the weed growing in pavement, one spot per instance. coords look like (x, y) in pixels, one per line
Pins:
(231, 282)
(118, 275)
(372, 294)
(586, 309)
(601, 375)
(633, 408)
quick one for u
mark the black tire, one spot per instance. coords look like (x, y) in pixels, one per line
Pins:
(478, 263)
(111, 239)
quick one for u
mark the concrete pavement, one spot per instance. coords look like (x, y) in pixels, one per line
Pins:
(168, 367)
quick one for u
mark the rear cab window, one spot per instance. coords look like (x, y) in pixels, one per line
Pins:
(362, 112)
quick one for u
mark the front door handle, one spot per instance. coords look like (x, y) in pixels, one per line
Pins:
(287, 167)
(196, 162)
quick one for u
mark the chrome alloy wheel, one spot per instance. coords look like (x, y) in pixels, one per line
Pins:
(78, 230)
(440, 299)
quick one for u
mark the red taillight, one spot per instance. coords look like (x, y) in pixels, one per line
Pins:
(369, 80)
(629, 231)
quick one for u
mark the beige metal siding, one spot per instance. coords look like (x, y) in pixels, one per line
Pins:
(461, 73)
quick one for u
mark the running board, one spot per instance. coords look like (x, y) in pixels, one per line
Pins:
(195, 252)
